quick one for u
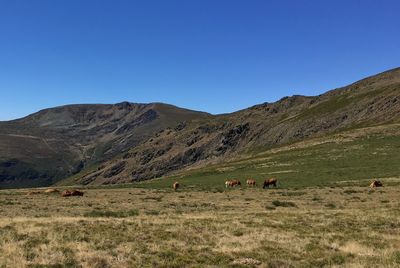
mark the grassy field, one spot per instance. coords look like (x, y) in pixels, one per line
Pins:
(338, 226)
(323, 214)
(354, 155)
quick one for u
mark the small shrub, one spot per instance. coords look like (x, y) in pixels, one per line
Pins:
(152, 212)
(278, 203)
(330, 205)
(218, 190)
(155, 198)
(168, 255)
(99, 262)
(337, 259)
(69, 257)
(293, 193)
(316, 198)
(237, 233)
(112, 214)
(350, 191)
(7, 202)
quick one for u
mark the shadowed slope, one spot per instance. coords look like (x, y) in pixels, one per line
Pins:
(54, 143)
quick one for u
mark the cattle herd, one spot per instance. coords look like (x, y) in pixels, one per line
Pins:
(266, 184)
(65, 193)
(228, 183)
(252, 183)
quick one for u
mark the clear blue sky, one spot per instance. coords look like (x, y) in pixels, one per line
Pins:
(211, 55)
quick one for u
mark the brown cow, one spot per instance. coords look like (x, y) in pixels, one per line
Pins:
(67, 193)
(175, 185)
(77, 193)
(251, 182)
(376, 183)
(233, 183)
(269, 182)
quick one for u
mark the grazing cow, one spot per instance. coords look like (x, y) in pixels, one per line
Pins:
(376, 183)
(232, 183)
(77, 193)
(235, 183)
(67, 193)
(175, 185)
(51, 191)
(269, 182)
(251, 182)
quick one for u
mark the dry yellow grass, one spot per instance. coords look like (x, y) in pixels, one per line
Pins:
(314, 227)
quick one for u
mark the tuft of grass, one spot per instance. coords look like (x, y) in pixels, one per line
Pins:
(152, 212)
(351, 191)
(316, 199)
(7, 202)
(293, 193)
(278, 203)
(155, 198)
(330, 205)
(238, 233)
(112, 214)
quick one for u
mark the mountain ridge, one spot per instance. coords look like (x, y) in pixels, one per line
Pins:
(75, 136)
(270, 124)
(127, 142)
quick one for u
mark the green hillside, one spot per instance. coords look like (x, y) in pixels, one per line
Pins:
(355, 157)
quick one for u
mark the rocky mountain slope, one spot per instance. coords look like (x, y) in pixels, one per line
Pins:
(369, 102)
(107, 144)
(53, 144)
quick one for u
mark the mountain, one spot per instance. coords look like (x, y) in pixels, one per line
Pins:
(53, 144)
(221, 138)
(108, 144)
